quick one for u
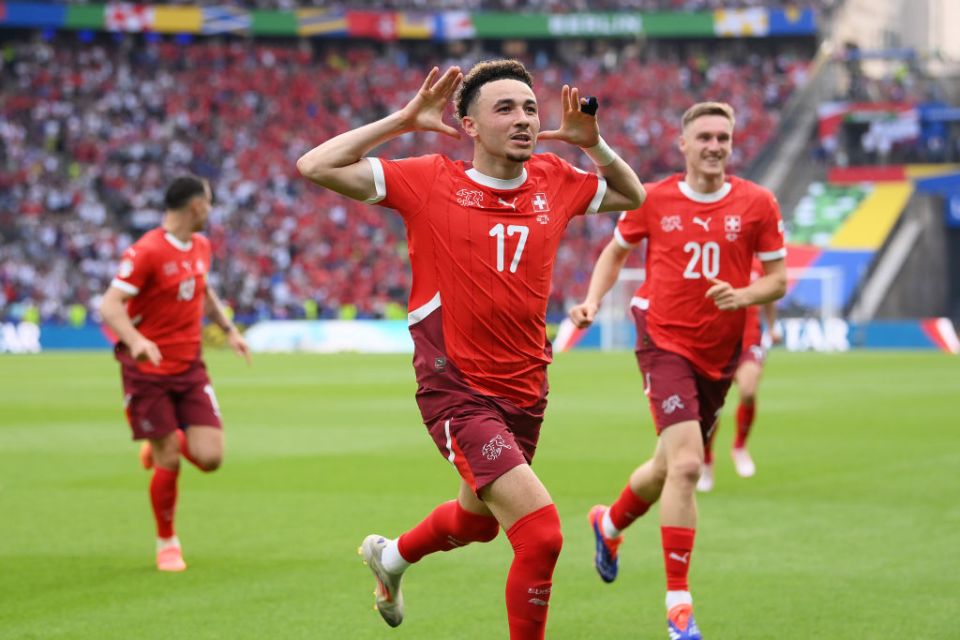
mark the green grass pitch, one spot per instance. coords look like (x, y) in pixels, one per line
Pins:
(851, 529)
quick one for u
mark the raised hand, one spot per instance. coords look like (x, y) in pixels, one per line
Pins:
(576, 127)
(425, 111)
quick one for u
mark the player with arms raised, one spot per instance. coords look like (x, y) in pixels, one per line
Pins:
(482, 238)
(703, 230)
(155, 305)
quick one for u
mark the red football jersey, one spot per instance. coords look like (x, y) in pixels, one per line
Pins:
(752, 329)
(168, 281)
(693, 238)
(482, 252)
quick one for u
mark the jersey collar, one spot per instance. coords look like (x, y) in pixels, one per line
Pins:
(707, 198)
(172, 239)
(497, 183)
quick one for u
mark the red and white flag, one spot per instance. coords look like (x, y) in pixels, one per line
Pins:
(132, 18)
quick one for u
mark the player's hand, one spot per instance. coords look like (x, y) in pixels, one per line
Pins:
(576, 127)
(725, 296)
(239, 344)
(144, 349)
(776, 337)
(583, 314)
(425, 111)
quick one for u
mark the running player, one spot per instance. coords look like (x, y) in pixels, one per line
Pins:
(703, 229)
(155, 306)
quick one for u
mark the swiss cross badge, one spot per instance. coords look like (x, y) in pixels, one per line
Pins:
(540, 203)
(731, 225)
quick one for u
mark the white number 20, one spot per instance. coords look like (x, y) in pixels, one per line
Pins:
(704, 260)
(513, 229)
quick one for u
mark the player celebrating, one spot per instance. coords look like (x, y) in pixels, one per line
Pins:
(703, 229)
(155, 306)
(482, 239)
(747, 378)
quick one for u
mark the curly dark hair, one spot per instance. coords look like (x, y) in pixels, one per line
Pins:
(488, 71)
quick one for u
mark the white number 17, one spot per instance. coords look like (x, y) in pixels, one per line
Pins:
(497, 232)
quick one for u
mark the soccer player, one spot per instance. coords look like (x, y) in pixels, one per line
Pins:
(482, 240)
(155, 305)
(703, 229)
(747, 378)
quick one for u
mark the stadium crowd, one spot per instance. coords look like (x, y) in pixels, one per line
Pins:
(91, 132)
(526, 6)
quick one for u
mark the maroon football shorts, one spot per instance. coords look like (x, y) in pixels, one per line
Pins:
(156, 405)
(752, 353)
(676, 390)
(484, 437)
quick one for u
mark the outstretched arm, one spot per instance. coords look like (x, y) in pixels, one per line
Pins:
(338, 165)
(605, 274)
(624, 189)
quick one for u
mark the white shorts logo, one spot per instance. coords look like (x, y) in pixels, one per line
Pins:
(671, 404)
(493, 449)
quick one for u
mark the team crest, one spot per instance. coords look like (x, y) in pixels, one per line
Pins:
(540, 203)
(492, 450)
(170, 268)
(731, 225)
(469, 198)
(671, 223)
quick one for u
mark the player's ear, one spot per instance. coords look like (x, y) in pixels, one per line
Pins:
(469, 126)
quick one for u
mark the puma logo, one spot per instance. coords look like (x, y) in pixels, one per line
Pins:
(679, 558)
(703, 223)
(512, 205)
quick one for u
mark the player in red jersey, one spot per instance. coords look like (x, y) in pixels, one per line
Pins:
(482, 240)
(703, 230)
(155, 306)
(747, 378)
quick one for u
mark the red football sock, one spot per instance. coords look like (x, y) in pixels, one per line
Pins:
(163, 497)
(185, 449)
(536, 541)
(677, 549)
(745, 414)
(447, 527)
(628, 507)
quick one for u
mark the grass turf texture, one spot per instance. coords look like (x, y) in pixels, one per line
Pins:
(849, 529)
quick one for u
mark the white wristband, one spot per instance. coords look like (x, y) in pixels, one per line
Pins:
(601, 154)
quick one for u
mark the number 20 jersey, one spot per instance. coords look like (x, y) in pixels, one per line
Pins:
(482, 252)
(694, 238)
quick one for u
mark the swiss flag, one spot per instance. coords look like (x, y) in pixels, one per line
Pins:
(377, 25)
(121, 16)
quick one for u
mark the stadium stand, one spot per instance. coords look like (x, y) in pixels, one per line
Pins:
(90, 131)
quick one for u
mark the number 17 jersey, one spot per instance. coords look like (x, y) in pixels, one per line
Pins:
(482, 252)
(693, 239)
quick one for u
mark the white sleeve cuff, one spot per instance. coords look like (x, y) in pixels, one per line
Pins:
(598, 197)
(769, 256)
(126, 287)
(620, 239)
(378, 180)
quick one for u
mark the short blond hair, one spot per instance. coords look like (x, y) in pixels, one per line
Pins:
(707, 109)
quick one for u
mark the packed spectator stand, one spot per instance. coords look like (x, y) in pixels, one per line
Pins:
(91, 132)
